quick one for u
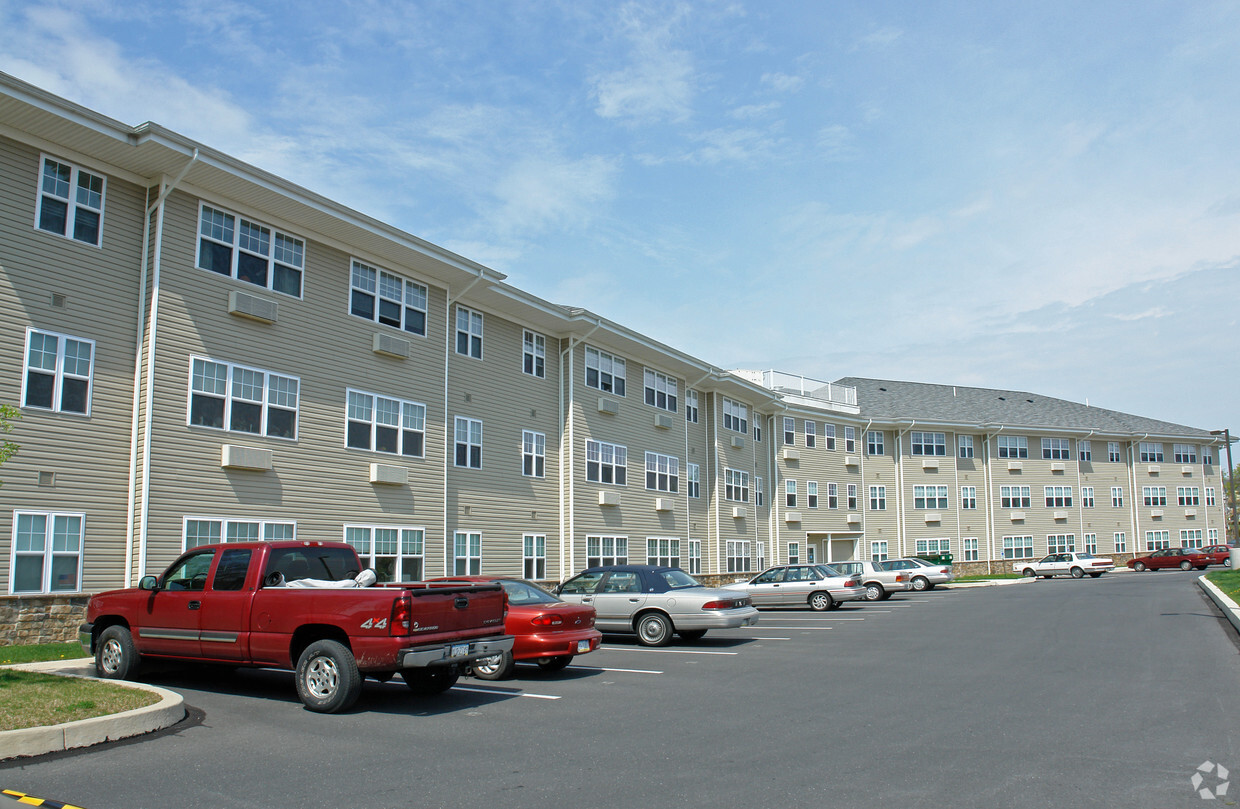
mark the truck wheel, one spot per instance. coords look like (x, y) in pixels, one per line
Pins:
(429, 682)
(1077, 573)
(820, 602)
(327, 677)
(554, 663)
(654, 629)
(116, 658)
(497, 667)
(874, 592)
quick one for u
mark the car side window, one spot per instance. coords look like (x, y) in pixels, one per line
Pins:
(230, 572)
(770, 577)
(585, 583)
(622, 582)
(189, 573)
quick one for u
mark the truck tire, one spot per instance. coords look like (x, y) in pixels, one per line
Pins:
(116, 658)
(327, 677)
(498, 667)
(429, 682)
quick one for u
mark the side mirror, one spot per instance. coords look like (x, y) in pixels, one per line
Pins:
(148, 583)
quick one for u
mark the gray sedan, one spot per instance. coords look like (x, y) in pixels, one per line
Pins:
(655, 602)
(818, 586)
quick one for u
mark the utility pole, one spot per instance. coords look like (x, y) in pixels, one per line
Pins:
(1231, 485)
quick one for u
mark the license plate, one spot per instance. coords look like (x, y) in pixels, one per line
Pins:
(583, 646)
(458, 650)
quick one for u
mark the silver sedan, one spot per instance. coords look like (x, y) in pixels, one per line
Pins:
(821, 587)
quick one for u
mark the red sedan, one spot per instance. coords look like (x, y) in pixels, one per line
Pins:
(1219, 554)
(1183, 558)
(547, 630)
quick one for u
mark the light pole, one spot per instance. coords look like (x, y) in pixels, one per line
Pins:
(1231, 484)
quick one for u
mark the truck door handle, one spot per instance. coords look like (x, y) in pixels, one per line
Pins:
(193, 605)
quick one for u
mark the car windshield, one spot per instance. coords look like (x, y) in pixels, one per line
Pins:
(523, 592)
(1086, 556)
(677, 579)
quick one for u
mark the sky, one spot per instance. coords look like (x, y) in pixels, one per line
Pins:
(1041, 197)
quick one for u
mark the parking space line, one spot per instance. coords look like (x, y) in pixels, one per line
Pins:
(624, 671)
(504, 692)
(667, 651)
(795, 628)
(772, 638)
(832, 618)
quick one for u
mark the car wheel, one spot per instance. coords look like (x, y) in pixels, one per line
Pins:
(920, 583)
(654, 629)
(1029, 573)
(820, 602)
(1077, 573)
(1227, 562)
(327, 677)
(496, 667)
(1139, 567)
(874, 592)
(554, 663)
(1095, 575)
(116, 658)
(1186, 565)
(692, 634)
(428, 682)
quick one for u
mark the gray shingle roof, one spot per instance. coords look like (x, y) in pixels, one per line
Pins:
(889, 400)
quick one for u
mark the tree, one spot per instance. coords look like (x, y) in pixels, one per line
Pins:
(8, 414)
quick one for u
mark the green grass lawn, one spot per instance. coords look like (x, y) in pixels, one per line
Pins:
(1228, 581)
(40, 652)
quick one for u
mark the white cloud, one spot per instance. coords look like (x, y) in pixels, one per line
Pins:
(782, 82)
(658, 83)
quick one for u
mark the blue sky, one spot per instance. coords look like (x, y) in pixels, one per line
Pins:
(1039, 196)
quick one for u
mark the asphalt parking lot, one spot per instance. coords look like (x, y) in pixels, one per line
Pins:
(1056, 693)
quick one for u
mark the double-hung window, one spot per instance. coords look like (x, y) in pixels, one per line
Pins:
(58, 372)
(1014, 497)
(811, 433)
(694, 474)
(691, 406)
(1190, 538)
(70, 202)
(1184, 453)
(1117, 497)
(534, 354)
(965, 445)
(735, 417)
(759, 494)
(878, 498)
(736, 485)
(1210, 496)
(1091, 543)
(1055, 449)
(930, 497)
(1013, 446)
(606, 463)
(1085, 451)
(387, 298)
(928, 443)
(833, 495)
(878, 550)
(468, 437)
(970, 549)
(211, 531)
(395, 553)
(1087, 497)
(604, 371)
(1154, 495)
(852, 496)
(384, 424)
(738, 555)
(1018, 547)
(968, 497)
(249, 251)
(790, 431)
(1157, 540)
(468, 332)
(533, 454)
(244, 400)
(534, 556)
(664, 551)
(1188, 495)
(695, 557)
(850, 439)
(790, 493)
(1150, 452)
(1121, 541)
(662, 472)
(811, 494)
(1060, 543)
(467, 554)
(828, 436)
(606, 550)
(661, 390)
(874, 442)
(1058, 496)
(1113, 452)
(47, 552)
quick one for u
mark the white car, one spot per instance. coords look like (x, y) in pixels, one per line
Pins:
(924, 575)
(1071, 564)
(817, 586)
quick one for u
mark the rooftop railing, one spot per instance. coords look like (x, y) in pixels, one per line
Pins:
(797, 385)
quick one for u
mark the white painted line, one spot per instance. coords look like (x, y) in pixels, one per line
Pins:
(832, 619)
(503, 692)
(680, 652)
(797, 629)
(772, 638)
(625, 671)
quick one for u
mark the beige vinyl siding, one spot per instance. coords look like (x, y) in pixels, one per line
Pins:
(880, 470)
(88, 456)
(749, 457)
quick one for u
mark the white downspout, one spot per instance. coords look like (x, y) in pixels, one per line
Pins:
(1135, 508)
(449, 422)
(688, 499)
(901, 532)
(568, 473)
(1080, 507)
(863, 495)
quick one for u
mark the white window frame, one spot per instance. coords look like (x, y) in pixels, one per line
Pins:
(693, 473)
(1091, 543)
(833, 496)
(1157, 540)
(64, 367)
(1061, 543)
(1114, 454)
(381, 414)
(1015, 497)
(80, 201)
(606, 550)
(811, 434)
(1012, 446)
(1210, 501)
(694, 547)
(874, 443)
(1184, 453)
(404, 545)
(662, 473)
(1057, 496)
(928, 444)
(1087, 497)
(469, 332)
(533, 354)
(1117, 497)
(691, 406)
(467, 438)
(466, 553)
(850, 438)
(1154, 496)
(828, 436)
(661, 390)
(878, 550)
(23, 548)
(968, 498)
(1120, 538)
(1150, 452)
(1191, 538)
(794, 553)
(386, 290)
(930, 497)
(933, 546)
(534, 556)
(602, 456)
(811, 494)
(790, 493)
(964, 444)
(878, 498)
(759, 493)
(1018, 547)
(234, 529)
(1188, 495)
(604, 371)
(1085, 451)
(272, 398)
(735, 485)
(970, 549)
(280, 251)
(1056, 449)
(533, 454)
(851, 489)
(738, 553)
(663, 551)
(790, 431)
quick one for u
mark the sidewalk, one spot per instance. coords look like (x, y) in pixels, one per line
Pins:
(85, 732)
(1231, 611)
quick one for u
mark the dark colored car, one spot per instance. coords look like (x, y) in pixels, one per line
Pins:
(549, 631)
(1219, 554)
(1183, 558)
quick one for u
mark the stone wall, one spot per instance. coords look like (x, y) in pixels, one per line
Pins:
(26, 620)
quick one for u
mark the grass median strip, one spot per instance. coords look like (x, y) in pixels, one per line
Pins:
(1228, 581)
(31, 699)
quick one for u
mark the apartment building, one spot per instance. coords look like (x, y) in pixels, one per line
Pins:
(202, 351)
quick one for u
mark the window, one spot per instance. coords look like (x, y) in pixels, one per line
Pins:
(604, 372)
(965, 444)
(533, 454)
(828, 435)
(251, 252)
(1113, 453)
(794, 553)
(929, 497)
(1151, 453)
(1018, 547)
(1013, 446)
(811, 433)
(1121, 542)
(534, 354)
(58, 374)
(929, 546)
(467, 554)
(850, 439)
(664, 551)
(757, 432)
(1014, 497)
(852, 496)
(1154, 495)
(1058, 496)
(1210, 496)
(209, 531)
(661, 391)
(468, 332)
(1157, 540)
(602, 550)
(1190, 538)
(1087, 497)
(874, 442)
(968, 497)
(387, 298)
(1212, 535)
(1117, 497)
(735, 485)
(662, 472)
(1188, 495)
(761, 555)
(878, 498)
(878, 551)
(928, 443)
(70, 202)
(695, 479)
(47, 552)
(1206, 457)
(382, 424)
(1091, 543)
(1184, 453)
(790, 433)
(811, 493)
(970, 549)
(691, 406)
(606, 463)
(534, 556)
(790, 493)
(833, 495)
(759, 495)
(1061, 543)
(1055, 449)
(1085, 451)
(695, 557)
(245, 400)
(738, 556)
(735, 417)
(395, 553)
(468, 436)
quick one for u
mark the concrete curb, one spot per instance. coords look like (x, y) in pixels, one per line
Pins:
(1230, 610)
(964, 585)
(86, 732)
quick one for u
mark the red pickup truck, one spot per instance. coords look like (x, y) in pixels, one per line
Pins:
(296, 605)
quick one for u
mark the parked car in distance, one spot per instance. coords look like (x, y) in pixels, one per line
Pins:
(879, 583)
(1076, 565)
(654, 602)
(548, 631)
(1183, 558)
(819, 587)
(923, 575)
(1219, 554)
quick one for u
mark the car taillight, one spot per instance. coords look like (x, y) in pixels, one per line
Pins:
(725, 604)
(853, 583)
(901, 577)
(547, 619)
(401, 609)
